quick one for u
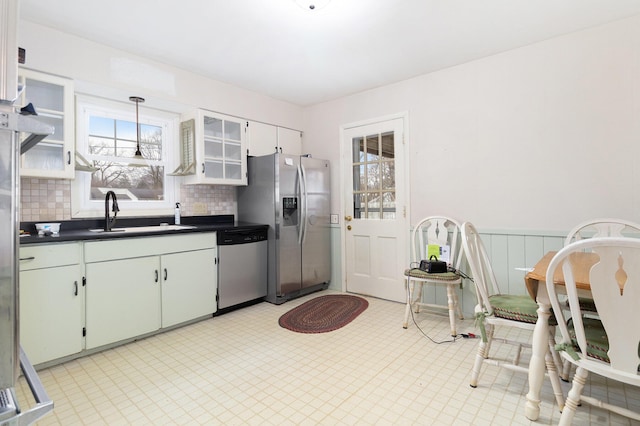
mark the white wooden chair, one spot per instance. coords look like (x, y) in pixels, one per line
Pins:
(604, 227)
(606, 345)
(595, 228)
(501, 310)
(442, 231)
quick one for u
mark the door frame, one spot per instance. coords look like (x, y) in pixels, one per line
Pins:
(404, 209)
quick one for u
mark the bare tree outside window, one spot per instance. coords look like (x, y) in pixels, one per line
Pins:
(112, 145)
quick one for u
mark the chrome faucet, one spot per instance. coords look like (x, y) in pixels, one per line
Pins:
(110, 221)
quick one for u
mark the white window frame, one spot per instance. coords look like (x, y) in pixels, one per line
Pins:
(81, 204)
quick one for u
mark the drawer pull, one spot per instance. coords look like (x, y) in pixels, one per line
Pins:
(27, 258)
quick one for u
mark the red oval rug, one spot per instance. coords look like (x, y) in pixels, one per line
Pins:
(324, 313)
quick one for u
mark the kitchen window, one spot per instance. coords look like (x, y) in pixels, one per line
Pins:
(107, 138)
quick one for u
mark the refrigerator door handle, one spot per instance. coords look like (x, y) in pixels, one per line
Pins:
(305, 204)
(303, 216)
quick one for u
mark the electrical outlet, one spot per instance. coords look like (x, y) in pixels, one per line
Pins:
(334, 218)
(199, 208)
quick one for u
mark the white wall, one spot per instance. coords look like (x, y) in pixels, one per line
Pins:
(115, 74)
(537, 138)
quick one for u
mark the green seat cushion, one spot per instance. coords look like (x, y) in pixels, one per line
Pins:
(586, 304)
(517, 308)
(420, 274)
(597, 341)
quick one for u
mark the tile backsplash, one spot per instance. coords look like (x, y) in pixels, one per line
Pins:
(203, 200)
(50, 199)
(44, 199)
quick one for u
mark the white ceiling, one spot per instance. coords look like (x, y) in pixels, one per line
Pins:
(305, 57)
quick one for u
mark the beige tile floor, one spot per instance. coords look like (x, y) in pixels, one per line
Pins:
(243, 368)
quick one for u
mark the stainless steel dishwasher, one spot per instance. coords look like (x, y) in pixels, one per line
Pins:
(242, 266)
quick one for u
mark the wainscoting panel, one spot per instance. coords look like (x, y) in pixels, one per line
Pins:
(510, 252)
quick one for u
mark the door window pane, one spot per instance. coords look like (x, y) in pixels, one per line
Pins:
(388, 175)
(373, 147)
(357, 149)
(374, 176)
(359, 204)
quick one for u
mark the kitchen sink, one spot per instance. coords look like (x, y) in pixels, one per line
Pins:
(154, 228)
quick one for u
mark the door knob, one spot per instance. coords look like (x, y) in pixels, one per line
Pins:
(348, 218)
(348, 227)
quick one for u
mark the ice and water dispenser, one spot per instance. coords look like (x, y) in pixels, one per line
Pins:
(289, 211)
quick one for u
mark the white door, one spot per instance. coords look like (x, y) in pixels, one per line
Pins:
(375, 223)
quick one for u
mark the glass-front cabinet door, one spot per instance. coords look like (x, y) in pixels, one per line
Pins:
(221, 151)
(52, 99)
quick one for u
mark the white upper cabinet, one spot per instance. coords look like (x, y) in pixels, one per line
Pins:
(289, 141)
(266, 139)
(220, 145)
(263, 138)
(52, 97)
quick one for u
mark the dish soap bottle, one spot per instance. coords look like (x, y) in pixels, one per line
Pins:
(177, 214)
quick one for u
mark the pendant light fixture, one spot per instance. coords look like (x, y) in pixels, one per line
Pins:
(138, 154)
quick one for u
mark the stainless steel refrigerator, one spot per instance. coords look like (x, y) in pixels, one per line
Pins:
(291, 194)
(12, 124)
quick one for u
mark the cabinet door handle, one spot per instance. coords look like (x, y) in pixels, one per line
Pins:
(75, 285)
(69, 157)
(156, 275)
(202, 168)
(27, 258)
(165, 274)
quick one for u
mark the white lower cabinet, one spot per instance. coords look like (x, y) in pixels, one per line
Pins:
(51, 301)
(123, 299)
(189, 285)
(136, 286)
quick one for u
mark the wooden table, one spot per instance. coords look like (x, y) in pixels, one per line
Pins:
(535, 281)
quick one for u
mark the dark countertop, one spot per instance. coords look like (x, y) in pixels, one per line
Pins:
(79, 229)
